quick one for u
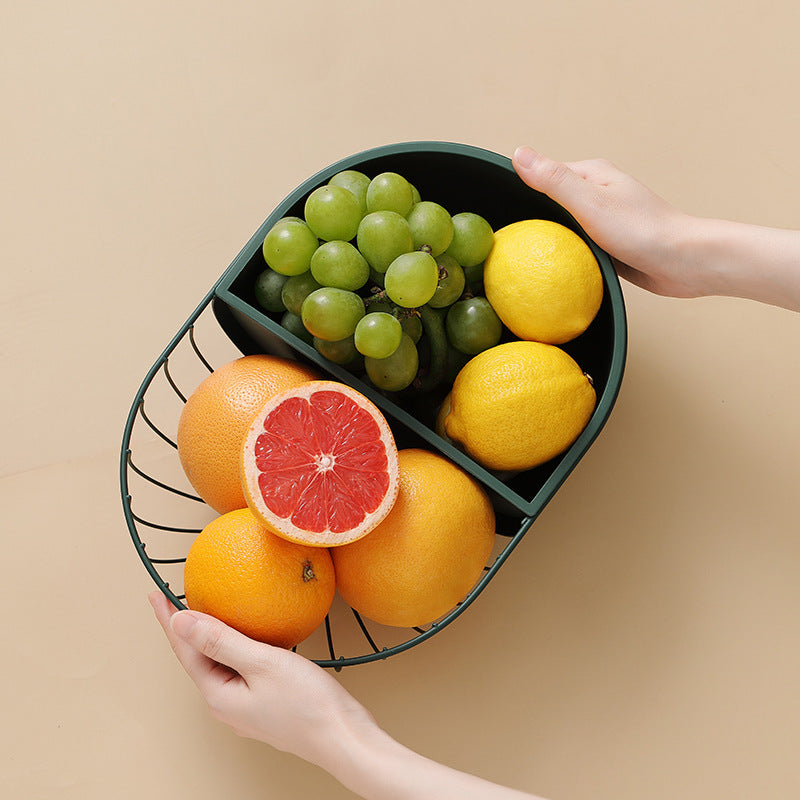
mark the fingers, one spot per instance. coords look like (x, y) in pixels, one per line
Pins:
(553, 178)
(163, 609)
(599, 171)
(217, 641)
(203, 670)
(207, 636)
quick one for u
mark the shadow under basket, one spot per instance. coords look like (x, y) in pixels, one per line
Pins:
(459, 177)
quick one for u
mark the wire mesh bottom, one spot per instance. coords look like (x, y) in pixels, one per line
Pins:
(166, 514)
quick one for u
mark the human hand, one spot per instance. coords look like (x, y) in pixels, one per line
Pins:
(285, 700)
(659, 248)
(635, 226)
(264, 692)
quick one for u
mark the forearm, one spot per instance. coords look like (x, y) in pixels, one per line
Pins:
(740, 260)
(377, 767)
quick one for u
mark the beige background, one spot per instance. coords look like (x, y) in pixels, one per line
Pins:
(642, 641)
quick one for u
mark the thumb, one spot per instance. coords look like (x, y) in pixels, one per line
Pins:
(554, 179)
(216, 640)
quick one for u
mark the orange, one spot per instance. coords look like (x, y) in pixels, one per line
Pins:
(216, 417)
(319, 464)
(267, 588)
(429, 551)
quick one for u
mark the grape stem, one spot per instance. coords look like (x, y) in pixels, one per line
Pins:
(380, 296)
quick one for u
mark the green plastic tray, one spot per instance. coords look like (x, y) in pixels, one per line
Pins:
(461, 178)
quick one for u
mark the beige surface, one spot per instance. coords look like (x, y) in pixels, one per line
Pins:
(642, 642)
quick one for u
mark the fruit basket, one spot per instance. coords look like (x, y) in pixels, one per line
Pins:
(229, 322)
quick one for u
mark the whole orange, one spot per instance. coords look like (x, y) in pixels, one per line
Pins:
(428, 552)
(269, 589)
(216, 417)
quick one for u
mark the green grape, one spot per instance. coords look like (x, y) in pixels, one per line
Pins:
(332, 314)
(472, 239)
(293, 324)
(355, 182)
(268, 290)
(333, 213)
(430, 225)
(382, 236)
(356, 366)
(341, 352)
(451, 282)
(378, 334)
(389, 192)
(410, 323)
(289, 245)
(376, 277)
(474, 274)
(379, 305)
(473, 326)
(396, 372)
(434, 367)
(455, 361)
(339, 264)
(296, 289)
(415, 196)
(411, 279)
(412, 326)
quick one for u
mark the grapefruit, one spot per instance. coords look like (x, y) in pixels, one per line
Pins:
(319, 464)
(267, 588)
(215, 419)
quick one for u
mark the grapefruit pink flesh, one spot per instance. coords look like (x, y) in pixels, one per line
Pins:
(324, 463)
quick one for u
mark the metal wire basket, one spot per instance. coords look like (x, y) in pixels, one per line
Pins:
(166, 514)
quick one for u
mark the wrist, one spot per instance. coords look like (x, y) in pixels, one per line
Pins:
(735, 259)
(704, 250)
(695, 250)
(374, 766)
(364, 759)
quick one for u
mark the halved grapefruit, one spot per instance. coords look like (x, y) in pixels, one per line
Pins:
(319, 464)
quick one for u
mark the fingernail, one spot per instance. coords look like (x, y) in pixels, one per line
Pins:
(524, 156)
(182, 623)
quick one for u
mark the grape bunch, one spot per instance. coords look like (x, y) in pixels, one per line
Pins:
(381, 281)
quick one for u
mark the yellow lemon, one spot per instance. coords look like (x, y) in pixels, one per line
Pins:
(441, 415)
(543, 281)
(517, 405)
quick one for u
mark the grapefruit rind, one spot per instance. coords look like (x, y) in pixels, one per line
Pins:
(312, 478)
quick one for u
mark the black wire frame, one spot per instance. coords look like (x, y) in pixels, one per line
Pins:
(152, 563)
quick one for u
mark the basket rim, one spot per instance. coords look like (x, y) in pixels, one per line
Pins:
(529, 511)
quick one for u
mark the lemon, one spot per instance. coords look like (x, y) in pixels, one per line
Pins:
(441, 415)
(543, 281)
(517, 405)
